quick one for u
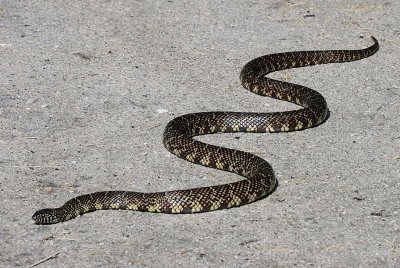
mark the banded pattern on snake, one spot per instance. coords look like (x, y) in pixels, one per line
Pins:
(178, 139)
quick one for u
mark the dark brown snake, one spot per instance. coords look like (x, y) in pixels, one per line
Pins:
(178, 139)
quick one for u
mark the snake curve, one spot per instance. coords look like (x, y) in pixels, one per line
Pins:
(178, 139)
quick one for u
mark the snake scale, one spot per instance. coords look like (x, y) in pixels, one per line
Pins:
(178, 139)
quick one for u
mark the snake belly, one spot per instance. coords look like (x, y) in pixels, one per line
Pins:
(259, 179)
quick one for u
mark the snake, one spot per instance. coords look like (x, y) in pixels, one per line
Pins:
(259, 180)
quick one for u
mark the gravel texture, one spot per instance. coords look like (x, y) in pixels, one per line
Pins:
(86, 88)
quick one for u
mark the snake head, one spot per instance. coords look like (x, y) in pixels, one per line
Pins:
(46, 216)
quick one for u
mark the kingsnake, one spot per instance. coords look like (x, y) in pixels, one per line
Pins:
(178, 139)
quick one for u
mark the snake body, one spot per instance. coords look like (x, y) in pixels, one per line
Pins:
(178, 139)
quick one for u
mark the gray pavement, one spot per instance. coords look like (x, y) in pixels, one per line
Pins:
(87, 87)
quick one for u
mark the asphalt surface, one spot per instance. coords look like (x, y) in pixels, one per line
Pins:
(87, 87)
